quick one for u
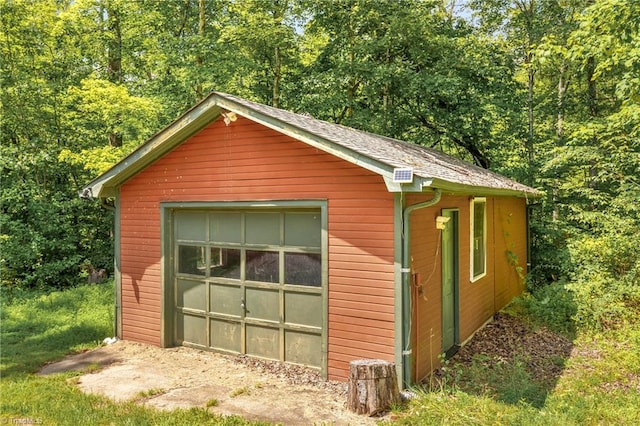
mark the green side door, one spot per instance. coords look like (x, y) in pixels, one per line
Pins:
(450, 282)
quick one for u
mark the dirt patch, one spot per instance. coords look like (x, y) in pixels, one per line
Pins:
(184, 377)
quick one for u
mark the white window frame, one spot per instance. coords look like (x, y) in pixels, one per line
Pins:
(472, 227)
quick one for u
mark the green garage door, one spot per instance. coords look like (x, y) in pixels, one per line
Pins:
(250, 282)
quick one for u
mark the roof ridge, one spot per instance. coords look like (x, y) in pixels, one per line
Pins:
(376, 153)
(444, 160)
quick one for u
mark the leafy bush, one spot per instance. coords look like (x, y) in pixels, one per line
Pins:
(586, 271)
(551, 259)
(47, 237)
(606, 281)
(552, 305)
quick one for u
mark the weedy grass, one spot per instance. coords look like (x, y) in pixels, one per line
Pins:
(150, 393)
(240, 391)
(41, 328)
(599, 384)
(38, 328)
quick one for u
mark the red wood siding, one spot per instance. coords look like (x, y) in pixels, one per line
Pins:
(426, 258)
(478, 300)
(245, 162)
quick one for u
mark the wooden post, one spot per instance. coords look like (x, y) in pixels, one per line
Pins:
(373, 386)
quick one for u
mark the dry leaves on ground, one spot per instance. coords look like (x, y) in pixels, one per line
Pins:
(507, 340)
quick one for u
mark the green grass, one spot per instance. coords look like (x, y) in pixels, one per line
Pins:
(239, 391)
(599, 384)
(37, 329)
(149, 393)
(40, 328)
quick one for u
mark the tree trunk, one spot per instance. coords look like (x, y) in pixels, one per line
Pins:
(562, 89)
(592, 100)
(277, 75)
(199, 58)
(114, 47)
(114, 61)
(527, 9)
(530, 114)
(373, 386)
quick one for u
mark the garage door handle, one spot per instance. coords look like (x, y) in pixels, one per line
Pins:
(242, 303)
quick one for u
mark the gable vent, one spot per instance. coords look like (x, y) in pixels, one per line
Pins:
(403, 175)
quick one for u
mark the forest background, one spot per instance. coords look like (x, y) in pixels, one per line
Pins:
(544, 91)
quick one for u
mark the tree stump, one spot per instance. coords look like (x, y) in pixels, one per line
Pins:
(373, 386)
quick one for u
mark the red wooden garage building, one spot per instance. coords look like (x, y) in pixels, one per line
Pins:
(247, 229)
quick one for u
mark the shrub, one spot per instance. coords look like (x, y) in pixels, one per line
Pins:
(550, 256)
(552, 305)
(47, 237)
(606, 280)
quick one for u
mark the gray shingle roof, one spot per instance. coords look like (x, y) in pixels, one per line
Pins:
(377, 153)
(427, 163)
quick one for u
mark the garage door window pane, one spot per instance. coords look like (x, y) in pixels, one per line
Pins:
(303, 269)
(262, 266)
(225, 263)
(302, 229)
(192, 260)
(263, 228)
(226, 227)
(191, 226)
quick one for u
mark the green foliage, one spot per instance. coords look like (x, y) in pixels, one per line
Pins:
(451, 374)
(551, 305)
(411, 71)
(98, 107)
(96, 160)
(266, 47)
(606, 281)
(580, 63)
(47, 237)
(551, 259)
(602, 288)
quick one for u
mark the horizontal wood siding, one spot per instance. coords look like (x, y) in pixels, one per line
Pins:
(510, 215)
(478, 300)
(248, 162)
(426, 260)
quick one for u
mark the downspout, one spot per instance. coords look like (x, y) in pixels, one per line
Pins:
(406, 295)
(116, 294)
(87, 194)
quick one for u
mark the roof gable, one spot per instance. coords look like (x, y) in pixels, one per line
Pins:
(379, 154)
